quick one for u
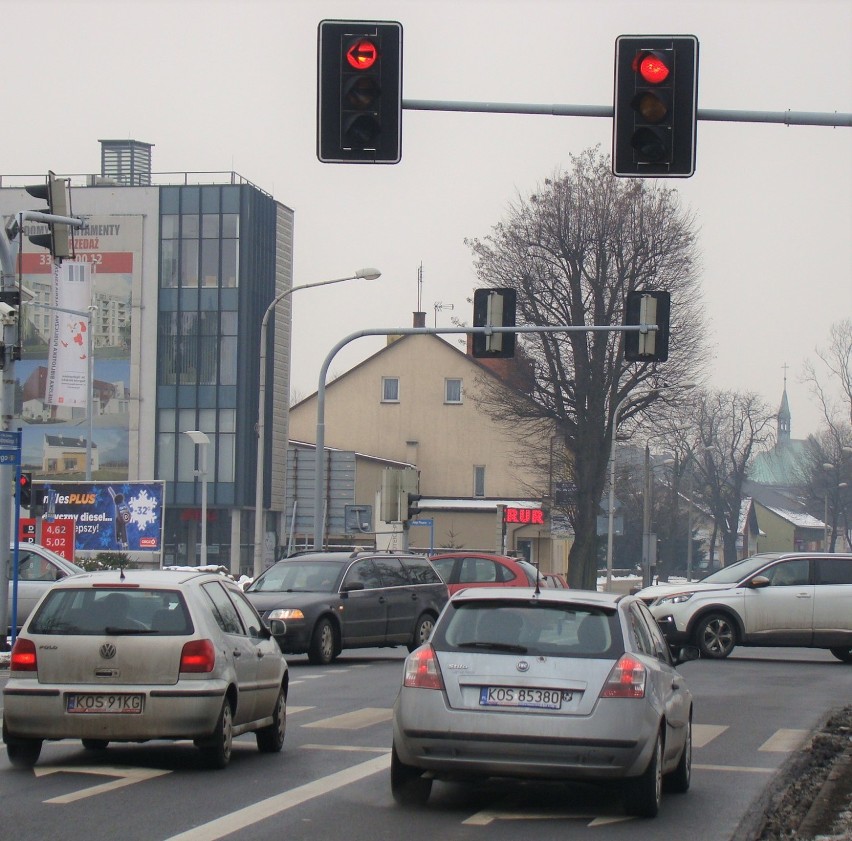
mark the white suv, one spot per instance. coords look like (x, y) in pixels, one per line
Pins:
(780, 599)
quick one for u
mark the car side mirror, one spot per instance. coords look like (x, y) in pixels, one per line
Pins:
(758, 582)
(686, 653)
(277, 627)
(349, 586)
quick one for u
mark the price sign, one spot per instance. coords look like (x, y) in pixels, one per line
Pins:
(58, 535)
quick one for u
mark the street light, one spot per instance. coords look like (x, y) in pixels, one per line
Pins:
(615, 416)
(365, 274)
(201, 441)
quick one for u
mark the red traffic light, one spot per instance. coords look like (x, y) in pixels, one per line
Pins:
(362, 54)
(652, 67)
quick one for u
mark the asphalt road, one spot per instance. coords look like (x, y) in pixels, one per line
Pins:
(332, 780)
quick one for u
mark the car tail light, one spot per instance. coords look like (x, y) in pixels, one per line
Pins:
(198, 656)
(23, 656)
(422, 670)
(626, 680)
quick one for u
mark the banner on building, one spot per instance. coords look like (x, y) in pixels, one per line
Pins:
(109, 516)
(71, 342)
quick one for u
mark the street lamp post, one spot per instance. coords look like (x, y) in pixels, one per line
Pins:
(365, 274)
(201, 441)
(615, 415)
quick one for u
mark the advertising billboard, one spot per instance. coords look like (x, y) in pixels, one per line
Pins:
(108, 516)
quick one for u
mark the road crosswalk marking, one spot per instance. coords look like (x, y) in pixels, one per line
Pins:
(784, 741)
(354, 720)
(703, 734)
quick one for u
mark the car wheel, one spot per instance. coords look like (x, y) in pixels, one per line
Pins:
(322, 648)
(679, 780)
(644, 793)
(422, 631)
(22, 753)
(844, 654)
(271, 739)
(716, 636)
(95, 744)
(217, 749)
(408, 785)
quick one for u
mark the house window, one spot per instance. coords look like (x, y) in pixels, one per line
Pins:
(390, 389)
(452, 391)
(479, 480)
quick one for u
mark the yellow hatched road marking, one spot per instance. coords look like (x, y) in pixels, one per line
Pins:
(703, 734)
(784, 741)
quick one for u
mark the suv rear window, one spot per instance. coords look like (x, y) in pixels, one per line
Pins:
(122, 610)
(541, 628)
(420, 571)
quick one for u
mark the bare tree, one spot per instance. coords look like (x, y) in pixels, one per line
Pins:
(837, 362)
(719, 442)
(573, 251)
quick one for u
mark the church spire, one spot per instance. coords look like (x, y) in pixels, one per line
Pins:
(783, 415)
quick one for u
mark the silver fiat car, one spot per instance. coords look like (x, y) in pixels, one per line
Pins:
(137, 655)
(546, 684)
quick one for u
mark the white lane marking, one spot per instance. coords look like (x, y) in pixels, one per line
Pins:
(263, 809)
(127, 776)
(292, 709)
(784, 741)
(347, 748)
(703, 734)
(726, 768)
(487, 816)
(355, 720)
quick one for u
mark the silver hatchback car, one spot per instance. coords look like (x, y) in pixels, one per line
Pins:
(550, 684)
(138, 655)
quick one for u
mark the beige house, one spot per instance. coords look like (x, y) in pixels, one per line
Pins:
(413, 402)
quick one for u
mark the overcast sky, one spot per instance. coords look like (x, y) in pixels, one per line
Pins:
(232, 86)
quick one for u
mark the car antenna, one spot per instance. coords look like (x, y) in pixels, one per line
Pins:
(538, 579)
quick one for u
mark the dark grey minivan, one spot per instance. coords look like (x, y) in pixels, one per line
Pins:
(331, 601)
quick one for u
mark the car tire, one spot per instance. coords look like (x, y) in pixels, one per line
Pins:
(271, 739)
(217, 749)
(95, 744)
(22, 753)
(422, 630)
(643, 794)
(716, 636)
(323, 647)
(679, 779)
(844, 654)
(408, 785)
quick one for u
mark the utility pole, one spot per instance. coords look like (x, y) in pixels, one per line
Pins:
(56, 194)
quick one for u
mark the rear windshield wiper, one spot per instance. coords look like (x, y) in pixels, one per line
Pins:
(495, 646)
(111, 629)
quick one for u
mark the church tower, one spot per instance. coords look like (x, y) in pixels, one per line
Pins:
(783, 416)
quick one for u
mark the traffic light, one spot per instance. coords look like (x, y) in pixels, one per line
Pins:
(647, 308)
(55, 193)
(25, 484)
(655, 105)
(359, 92)
(413, 507)
(494, 308)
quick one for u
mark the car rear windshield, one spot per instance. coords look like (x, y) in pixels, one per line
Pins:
(538, 628)
(299, 577)
(118, 611)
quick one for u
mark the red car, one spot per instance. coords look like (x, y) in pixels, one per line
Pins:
(481, 569)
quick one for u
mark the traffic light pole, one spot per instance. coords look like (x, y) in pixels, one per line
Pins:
(834, 119)
(9, 319)
(319, 476)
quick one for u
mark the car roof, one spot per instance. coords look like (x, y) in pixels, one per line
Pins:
(345, 557)
(490, 555)
(590, 598)
(136, 577)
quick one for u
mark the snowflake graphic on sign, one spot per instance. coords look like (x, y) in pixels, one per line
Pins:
(143, 511)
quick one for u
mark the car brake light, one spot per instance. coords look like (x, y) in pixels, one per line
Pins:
(626, 680)
(23, 657)
(198, 656)
(422, 670)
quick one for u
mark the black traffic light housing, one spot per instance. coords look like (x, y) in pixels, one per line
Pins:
(655, 106)
(55, 192)
(494, 308)
(359, 91)
(413, 507)
(642, 307)
(25, 485)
